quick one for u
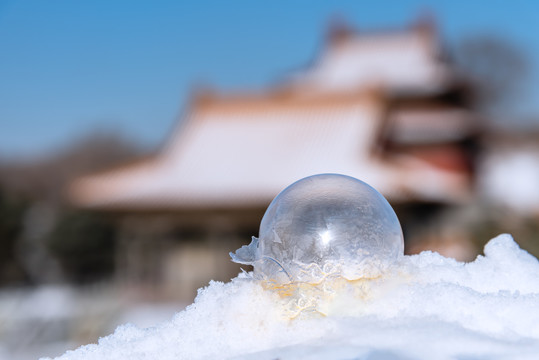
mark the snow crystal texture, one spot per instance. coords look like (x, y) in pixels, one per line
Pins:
(425, 307)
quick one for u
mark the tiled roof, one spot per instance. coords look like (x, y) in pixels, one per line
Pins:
(400, 61)
(244, 158)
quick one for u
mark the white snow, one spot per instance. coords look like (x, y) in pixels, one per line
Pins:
(511, 178)
(405, 61)
(425, 307)
(335, 139)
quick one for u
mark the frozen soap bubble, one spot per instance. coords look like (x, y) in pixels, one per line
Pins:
(323, 225)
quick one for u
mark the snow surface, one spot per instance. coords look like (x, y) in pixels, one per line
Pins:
(425, 307)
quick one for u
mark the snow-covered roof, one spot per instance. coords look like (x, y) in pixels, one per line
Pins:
(395, 61)
(510, 173)
(237, 152)
(229, 154)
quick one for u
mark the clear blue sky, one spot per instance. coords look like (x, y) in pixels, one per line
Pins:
(68, 67)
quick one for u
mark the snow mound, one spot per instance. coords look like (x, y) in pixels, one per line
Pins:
(425, 307)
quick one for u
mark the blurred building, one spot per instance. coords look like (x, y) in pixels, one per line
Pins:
(510, 172)
(385, 107)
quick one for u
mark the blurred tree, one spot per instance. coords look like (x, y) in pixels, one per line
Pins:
(45, 178)
(11, 224)
(496, 68)
(83, 243)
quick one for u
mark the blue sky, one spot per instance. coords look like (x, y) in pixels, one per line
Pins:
(70, 67)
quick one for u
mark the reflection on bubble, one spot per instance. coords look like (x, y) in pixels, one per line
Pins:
(324, 225)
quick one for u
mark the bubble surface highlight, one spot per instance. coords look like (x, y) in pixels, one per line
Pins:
(324, 225)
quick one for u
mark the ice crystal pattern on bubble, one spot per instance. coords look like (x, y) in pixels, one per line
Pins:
(324, 225)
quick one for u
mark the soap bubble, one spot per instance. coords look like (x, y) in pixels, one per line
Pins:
(323, 225)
